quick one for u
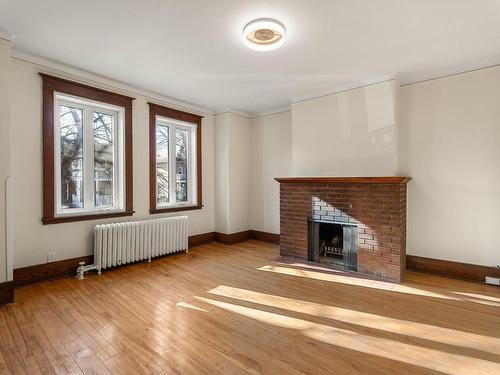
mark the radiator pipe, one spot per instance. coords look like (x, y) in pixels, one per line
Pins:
(80, 272)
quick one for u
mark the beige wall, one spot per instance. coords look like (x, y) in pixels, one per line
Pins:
(32, 240)
(5, 159)
(450, 145)
(348, 133)
(221, 126)
(239, 174)
(444, 133)
(271, 157)
(233, 160)
(352, 133)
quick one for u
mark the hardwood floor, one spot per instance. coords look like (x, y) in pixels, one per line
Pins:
(233, 309)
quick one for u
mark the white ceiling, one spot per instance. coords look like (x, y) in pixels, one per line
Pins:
(191, 49)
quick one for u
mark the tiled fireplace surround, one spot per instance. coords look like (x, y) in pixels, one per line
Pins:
(376, 204)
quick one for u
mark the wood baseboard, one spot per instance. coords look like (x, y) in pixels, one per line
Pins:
(47, 271)
(464, 271)
(201, 239)
(265, 236)
(67, 267)
(6, 292)
(230, 239)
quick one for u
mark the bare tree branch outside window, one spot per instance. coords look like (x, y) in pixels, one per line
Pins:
(103, 159)
(71, 138)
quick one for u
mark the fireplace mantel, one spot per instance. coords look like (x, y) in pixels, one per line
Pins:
(356, 180)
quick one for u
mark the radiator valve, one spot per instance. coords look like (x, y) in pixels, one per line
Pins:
(80, 272)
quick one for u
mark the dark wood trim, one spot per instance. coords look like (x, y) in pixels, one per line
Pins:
(67, 267)
(85, 91)
(152, 160)
(230, 239)
(175, 114)
(48, 152)
(53, 84)
(464, 271)
(6, 292)
(64, 268)
(48, 271)
(357, 180)
(158, 110)
(233, 238)
(70, 219)
(201, 239)
(265, 237)
(175, 209)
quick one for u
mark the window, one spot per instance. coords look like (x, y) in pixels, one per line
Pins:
(88, 156)
(175, 160)
(87, 152)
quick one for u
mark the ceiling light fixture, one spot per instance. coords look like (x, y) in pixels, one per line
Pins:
(264, 34)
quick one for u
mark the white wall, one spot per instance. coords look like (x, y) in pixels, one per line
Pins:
(32, 240)
(233, 160)
(352, 133)
(450, 145)
(5, 160)
(271, 157)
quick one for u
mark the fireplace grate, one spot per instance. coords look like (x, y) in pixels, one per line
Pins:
(333, 243)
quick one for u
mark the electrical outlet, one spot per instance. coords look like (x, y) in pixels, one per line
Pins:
(51, 257)
(493, 280)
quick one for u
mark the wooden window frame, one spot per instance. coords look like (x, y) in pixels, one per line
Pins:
(52, 85)
(175, 114)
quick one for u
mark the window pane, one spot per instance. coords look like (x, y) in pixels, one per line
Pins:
(71, 138)
(103, 159)
(181, 168)
(162, 196)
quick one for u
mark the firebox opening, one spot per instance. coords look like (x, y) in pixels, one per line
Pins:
(333, 243)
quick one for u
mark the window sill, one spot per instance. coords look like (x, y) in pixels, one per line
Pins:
(73, 218)
(164, 210)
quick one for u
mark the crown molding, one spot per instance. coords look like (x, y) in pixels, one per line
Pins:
(5, 35)
(452, 73)
(271, 112)
(344, 88)
(254, 115)
(6, 38)
(85, 77)
(235, 112)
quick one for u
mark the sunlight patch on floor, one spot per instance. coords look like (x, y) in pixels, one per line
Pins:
(397, 351)
(374, 321)
(479, 298)
(189, 306)
(354, 281)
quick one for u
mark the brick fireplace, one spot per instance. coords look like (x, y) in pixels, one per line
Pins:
(320, 215)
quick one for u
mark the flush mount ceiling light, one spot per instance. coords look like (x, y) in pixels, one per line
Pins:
(264, 34)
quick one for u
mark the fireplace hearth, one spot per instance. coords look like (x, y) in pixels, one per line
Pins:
(333, 243)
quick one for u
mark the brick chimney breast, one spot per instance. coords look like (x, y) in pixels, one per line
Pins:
(377, 205)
